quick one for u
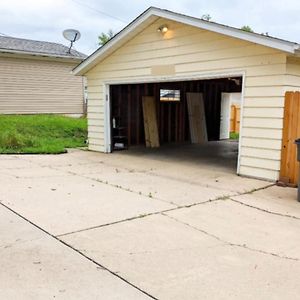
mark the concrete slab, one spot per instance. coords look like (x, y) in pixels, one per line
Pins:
(36, 266)
(280, 200)
(74, 156)
(174, 261)
(160, 177)
(13, 162)
(160, 254)
(34, 172)
(170, 190)
(65, 204)
(242, 225)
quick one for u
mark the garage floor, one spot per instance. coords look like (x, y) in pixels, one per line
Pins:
(143, 225)
(222, 155)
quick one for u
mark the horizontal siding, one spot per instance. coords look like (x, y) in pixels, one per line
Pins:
(39, 86)
(264, 102)
(97, 129)
(292, 81)
(261, 143)
(262, 153)
(94, 147)
(264, 163)
(266, 112)
(263, 133)
(262, 123)
(258, 172)
(198, 52)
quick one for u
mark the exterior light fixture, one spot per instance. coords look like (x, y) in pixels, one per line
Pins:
(163, 29)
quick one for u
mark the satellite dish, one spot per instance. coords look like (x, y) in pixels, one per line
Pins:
(71, 35)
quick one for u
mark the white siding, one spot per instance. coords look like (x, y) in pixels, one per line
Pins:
(292, 80)
(194, 52)
(29, 86)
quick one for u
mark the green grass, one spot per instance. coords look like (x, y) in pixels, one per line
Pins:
(50, 134)
(234, 135)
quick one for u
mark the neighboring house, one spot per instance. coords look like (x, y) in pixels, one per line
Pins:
(36, 78)
(163, 49)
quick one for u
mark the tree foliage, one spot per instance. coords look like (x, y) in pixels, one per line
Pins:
(247, 28)
(103, 38)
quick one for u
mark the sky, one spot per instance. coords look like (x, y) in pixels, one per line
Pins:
(46, 19)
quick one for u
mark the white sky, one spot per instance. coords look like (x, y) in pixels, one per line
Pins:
(46, 19)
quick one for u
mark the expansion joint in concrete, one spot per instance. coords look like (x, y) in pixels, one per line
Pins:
(80, 253)
(228, 243)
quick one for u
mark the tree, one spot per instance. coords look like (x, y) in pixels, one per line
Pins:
(247, 28)
(103, 38)
(206, 17)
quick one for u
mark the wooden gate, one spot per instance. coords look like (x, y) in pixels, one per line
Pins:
(235, 118)
(291, 131)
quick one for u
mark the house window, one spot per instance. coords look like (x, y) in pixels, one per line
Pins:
(169, 95)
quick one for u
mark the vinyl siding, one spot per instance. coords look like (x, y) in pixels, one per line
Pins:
(29, 86)
(293, 74)
(196, 52)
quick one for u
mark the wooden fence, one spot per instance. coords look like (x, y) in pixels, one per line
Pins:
(235, 118)
(291, 131)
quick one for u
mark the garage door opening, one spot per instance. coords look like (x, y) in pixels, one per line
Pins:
(199, 116)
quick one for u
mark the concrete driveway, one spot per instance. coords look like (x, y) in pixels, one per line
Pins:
(87, 225)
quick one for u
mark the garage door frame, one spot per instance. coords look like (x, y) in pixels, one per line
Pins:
(200, 76)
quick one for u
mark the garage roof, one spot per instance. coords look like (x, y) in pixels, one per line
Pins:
(153, 13)
(40, 48)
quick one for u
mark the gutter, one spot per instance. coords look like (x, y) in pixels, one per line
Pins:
(39, 54)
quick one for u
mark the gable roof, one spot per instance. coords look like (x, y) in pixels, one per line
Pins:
(40, 48)
(152, 14)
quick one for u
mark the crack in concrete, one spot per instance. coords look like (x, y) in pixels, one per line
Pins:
(113, 185)
(264, 210)
(178, 206)
(220, 198)
(244, 246)
(81, 253)
(137, 217)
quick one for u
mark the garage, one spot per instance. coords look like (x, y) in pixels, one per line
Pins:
(169, 60)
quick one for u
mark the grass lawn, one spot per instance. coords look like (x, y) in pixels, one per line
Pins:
(41, 133)
(234, 135)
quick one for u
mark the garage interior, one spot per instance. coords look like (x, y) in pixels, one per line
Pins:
(171, 120)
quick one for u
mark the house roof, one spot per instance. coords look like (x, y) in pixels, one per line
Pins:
(152, 14)
(40, 48)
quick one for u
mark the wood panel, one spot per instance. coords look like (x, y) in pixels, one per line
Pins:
(289, 172)
(235, 116)
(150, 122)
(197, 118)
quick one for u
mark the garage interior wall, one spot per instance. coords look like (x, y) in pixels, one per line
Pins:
(192, 52)
(172, 117)
(29, 86)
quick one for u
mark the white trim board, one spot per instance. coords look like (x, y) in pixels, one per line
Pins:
(153, 13)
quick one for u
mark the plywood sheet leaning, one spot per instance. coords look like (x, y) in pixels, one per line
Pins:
(289, 172)
(150, 122)
(197, 121)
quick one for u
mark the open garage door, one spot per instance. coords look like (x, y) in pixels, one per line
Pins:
(170, 113)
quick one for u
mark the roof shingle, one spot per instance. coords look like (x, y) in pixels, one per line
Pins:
(37, 47)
